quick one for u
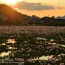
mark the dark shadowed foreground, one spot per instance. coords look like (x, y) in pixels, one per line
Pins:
(32, 45)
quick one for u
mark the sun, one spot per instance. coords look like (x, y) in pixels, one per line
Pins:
(11, 2)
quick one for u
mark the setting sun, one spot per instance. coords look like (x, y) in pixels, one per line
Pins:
(11, 2)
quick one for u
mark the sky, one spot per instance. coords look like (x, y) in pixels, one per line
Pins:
(39, 8)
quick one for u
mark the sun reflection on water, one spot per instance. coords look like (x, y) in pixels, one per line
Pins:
(11, 41)
(44, 58)
(5, 53)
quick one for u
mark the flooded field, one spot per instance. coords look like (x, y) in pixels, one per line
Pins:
(43, 48)
(32, 48)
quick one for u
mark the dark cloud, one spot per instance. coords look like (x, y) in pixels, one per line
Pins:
(33, 6)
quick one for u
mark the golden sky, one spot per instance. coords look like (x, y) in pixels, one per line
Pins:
(39, 7)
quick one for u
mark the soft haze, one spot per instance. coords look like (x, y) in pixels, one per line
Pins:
(40, 7)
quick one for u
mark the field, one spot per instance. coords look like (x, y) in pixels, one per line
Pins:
(31, 29)
(32, 45)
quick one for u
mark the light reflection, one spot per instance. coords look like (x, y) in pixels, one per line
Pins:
(12, 48)
(53, 43)
(5, 53)
(40, 38)
(44, 57)
(3, 44)
(11, 41)
(62, 45)
(61, 54)
(51, 40)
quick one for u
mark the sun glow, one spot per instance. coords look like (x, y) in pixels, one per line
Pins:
(11, 2)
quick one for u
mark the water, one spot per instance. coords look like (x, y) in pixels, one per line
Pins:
(35, 47)
(13, 41)
(5, 53)
(7, 44)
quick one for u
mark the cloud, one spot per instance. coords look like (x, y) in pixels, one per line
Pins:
(33, 6)
(61, 7)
